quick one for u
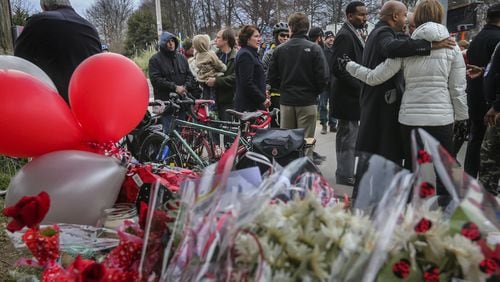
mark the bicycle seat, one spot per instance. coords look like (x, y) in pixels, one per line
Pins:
(245, 116)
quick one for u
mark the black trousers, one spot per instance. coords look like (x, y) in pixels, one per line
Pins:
(471, 163)
(443, 134)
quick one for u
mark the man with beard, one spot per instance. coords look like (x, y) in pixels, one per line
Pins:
(344, 103)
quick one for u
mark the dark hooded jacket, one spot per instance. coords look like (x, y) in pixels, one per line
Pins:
(168, 69)
(58, 41)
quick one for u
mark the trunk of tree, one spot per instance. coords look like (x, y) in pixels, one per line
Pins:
(6, 46)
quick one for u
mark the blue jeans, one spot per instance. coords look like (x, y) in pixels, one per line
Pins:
(324, 117)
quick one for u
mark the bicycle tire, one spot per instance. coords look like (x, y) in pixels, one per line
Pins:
(151, 147)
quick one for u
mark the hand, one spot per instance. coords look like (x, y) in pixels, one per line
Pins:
(211, 82)
(491, 117)
(343, 61)
(445, 43)
(474, 71)
(181, 90)
(267, 103)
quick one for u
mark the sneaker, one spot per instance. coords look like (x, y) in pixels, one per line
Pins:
(333, 128)
(323, 129)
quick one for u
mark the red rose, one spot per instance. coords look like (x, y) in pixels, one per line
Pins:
(159, 221)
(423, 157)
(423, 226)
(471, 231)
(426, 190)
(432, 274)
(29, 211)
(401, 269)
(94, 273)
(43, 243)
(488, 266)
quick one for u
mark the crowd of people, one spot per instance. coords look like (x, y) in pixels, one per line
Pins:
(373, 90)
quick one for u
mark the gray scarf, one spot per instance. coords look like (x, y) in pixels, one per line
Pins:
(353, 29)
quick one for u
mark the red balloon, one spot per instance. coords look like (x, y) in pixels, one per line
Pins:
(34, 119)
(109, 95)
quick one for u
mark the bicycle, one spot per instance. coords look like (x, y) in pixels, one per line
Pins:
(192, 146)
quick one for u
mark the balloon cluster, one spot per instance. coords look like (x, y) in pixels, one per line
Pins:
(108, 97)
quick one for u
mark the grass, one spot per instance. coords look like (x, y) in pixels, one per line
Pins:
(142, 59)
(8, 168)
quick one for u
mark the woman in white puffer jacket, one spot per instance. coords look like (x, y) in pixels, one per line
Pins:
(434, 95)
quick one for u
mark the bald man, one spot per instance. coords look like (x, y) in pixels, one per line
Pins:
(379, 131)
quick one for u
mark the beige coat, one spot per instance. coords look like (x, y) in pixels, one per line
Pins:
(205, 63)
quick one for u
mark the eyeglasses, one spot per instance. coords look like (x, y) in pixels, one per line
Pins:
(284, 35)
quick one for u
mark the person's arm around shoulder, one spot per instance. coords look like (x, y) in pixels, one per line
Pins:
(377, 76)
(456, 87)
(392, 47)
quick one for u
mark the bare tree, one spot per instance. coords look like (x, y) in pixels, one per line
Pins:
(110, 19)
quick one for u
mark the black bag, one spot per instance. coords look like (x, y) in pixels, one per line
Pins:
(283, 145)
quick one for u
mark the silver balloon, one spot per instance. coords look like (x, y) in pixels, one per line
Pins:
(80, 184)
(16, 63)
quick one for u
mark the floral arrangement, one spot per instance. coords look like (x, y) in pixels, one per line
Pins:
(123, 263)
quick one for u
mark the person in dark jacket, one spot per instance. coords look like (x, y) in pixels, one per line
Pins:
(300, 72)
(345, 89)
(489, 171)
(479, 54)
(57, 40)
(169, 72)
(325, 116)
(379, 131)
(250, 80)
(224, 85)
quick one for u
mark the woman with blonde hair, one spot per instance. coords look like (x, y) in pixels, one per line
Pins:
(434, 95)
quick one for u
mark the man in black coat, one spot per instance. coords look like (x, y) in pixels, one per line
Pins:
(479, 54)
(57, 40)
(169, 72)
(344, 103)
(379, 131)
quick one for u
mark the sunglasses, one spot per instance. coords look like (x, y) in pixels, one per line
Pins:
(284, 35)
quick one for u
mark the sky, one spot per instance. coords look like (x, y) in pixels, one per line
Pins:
(79, 5)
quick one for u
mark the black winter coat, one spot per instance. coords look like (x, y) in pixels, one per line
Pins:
(344, 102)
(250, 81)
(299, 70)
(379, 131)
(168, 69)
(492, 80)
(479, 53)
(58, 41)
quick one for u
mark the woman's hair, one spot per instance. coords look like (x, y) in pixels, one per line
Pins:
(228, 35)
(428, 11)
(246, 33)
(298, 23)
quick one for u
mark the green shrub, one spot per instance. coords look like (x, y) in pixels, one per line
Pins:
(142, 59)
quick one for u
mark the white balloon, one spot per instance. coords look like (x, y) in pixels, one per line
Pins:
(16, 63)
(80, 184)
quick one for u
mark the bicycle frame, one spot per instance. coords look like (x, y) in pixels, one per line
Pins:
(174, 134)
